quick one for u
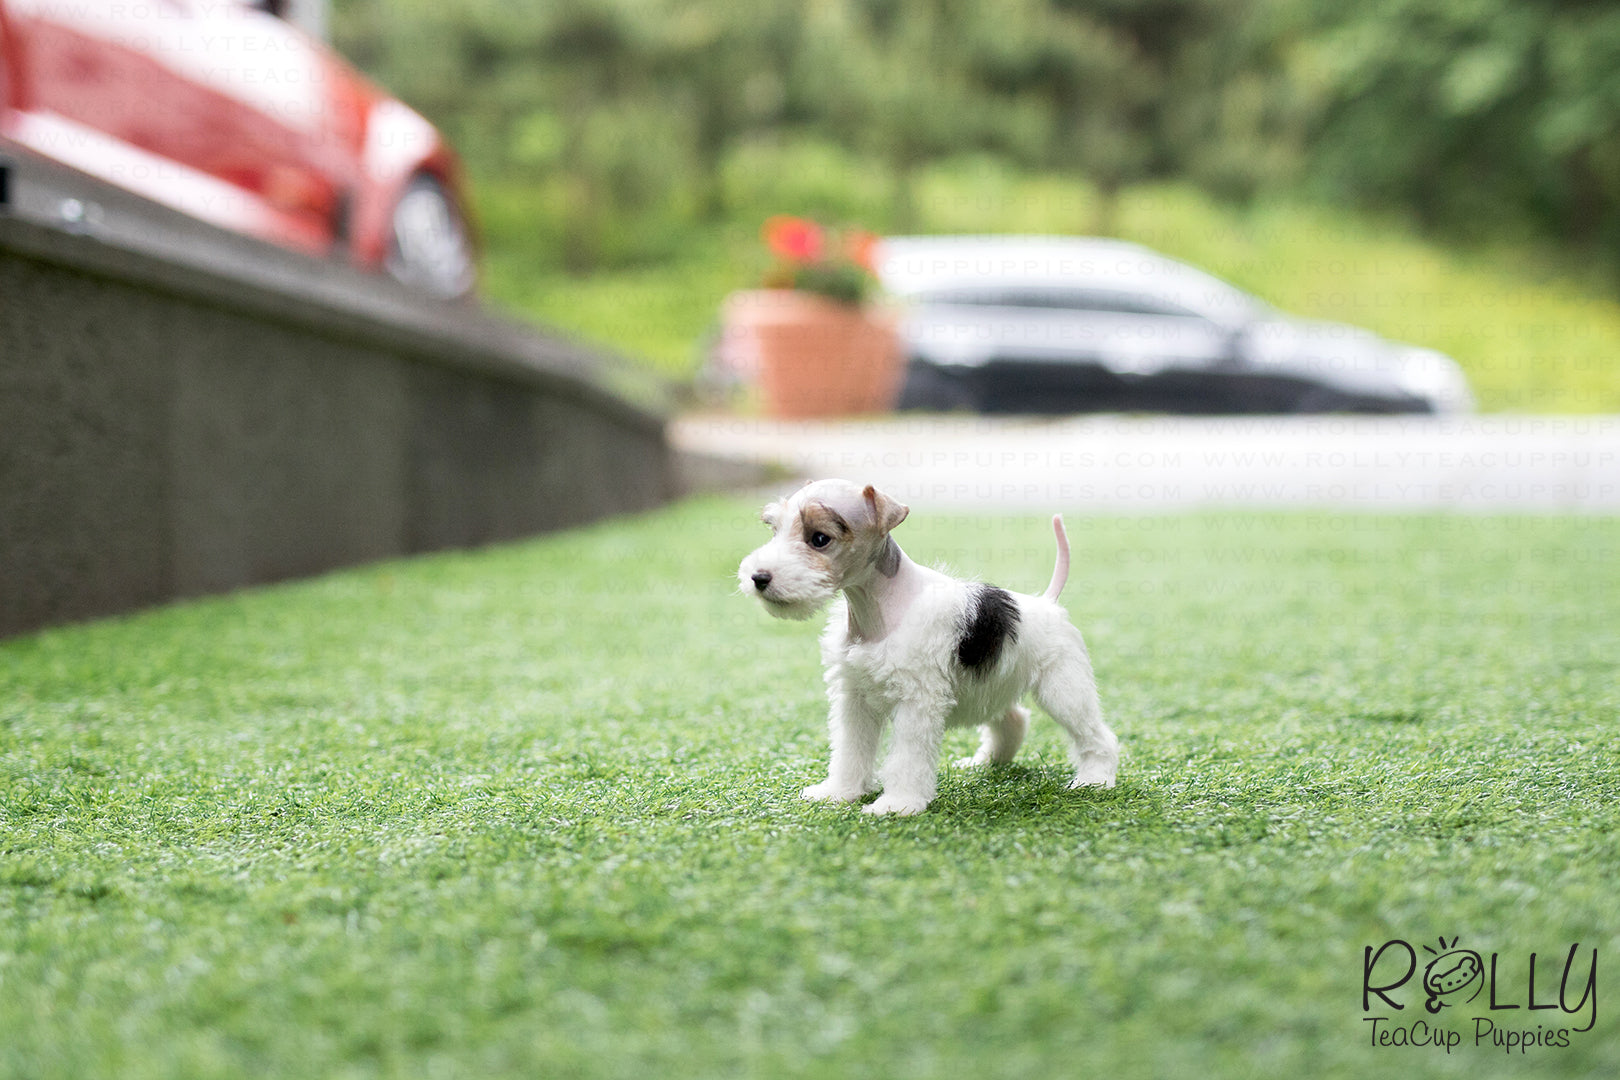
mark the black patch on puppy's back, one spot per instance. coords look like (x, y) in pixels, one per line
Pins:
(991, 619)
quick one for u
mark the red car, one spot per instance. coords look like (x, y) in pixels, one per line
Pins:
(224, 110)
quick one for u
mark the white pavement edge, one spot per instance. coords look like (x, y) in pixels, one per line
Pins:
(1124, 464)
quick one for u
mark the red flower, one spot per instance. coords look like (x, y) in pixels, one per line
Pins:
(794, 238)
(862, 249)
(834, 263)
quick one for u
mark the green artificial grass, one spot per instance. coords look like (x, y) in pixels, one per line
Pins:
(533, 812)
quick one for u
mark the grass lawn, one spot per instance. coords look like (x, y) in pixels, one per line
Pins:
(533, 812)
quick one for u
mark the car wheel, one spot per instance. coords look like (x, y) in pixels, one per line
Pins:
(429, 247)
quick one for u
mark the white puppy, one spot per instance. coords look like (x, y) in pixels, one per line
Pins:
(920, 649)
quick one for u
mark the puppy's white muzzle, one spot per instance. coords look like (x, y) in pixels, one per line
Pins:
(786, 587)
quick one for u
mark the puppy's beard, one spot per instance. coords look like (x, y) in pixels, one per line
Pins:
(795, 592)
(796, 598)
(797, 609)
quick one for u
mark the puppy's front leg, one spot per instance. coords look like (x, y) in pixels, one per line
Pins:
(854, 728)
(911, 773)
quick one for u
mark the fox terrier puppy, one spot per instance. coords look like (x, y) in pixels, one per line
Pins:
(913, 646)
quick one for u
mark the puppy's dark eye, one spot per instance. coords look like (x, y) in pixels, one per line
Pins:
(819, 539)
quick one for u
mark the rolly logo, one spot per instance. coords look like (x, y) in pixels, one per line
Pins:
(1449, 975)
(1456, 977)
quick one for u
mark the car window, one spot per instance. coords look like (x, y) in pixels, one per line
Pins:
(1098, 300)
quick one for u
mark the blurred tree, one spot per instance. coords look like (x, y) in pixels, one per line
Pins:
(1231, 117)
(1469, 114)
(1578, 130)
(1473, 113)
(593, 58)
(1095, 83)
(893, 81)
(726, 64)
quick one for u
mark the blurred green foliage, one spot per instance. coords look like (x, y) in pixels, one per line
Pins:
(1472, 115)
(631, 111)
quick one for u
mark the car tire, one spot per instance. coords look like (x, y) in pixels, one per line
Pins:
(429, 246)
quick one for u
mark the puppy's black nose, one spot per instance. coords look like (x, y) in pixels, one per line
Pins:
(762, 578)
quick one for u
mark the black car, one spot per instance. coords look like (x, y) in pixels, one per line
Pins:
(1057, 325)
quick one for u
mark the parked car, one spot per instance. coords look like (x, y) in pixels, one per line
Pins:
(221, 109)
(1056, 325)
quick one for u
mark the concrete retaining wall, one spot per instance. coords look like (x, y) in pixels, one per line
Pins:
(201, 412)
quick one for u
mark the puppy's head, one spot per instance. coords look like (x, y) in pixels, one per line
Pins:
(828, 535)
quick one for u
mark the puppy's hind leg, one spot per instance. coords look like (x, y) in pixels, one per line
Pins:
(999, 740)
(1068, 691)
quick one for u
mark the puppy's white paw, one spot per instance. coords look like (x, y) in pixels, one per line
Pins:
(1101, 776)
(972, 762)
(827, 791)
(895, 804)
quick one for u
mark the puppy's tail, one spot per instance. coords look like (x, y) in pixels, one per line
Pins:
(1060, 572)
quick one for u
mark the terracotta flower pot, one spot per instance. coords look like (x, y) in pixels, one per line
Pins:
(813, 357)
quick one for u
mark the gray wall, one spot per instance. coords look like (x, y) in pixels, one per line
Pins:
(192, 420)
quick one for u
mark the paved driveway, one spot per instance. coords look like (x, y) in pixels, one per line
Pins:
(1150, 464)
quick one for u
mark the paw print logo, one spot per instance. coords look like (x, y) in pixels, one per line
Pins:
(1450, 974)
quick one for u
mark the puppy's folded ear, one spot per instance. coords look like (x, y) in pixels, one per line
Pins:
(771, 514)
(885, 511)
